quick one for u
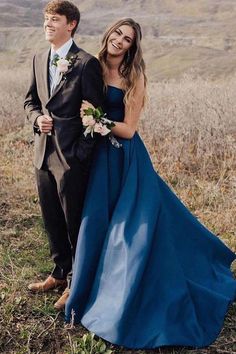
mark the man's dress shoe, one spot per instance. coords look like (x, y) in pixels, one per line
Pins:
(49, 284)
(60, 304)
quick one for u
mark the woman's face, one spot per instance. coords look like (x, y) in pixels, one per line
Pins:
(120, 41)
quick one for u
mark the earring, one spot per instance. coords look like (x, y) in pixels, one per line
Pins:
(128, 55)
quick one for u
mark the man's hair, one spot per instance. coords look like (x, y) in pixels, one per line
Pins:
(66, 8)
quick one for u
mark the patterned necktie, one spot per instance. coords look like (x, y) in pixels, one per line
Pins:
(52, 72)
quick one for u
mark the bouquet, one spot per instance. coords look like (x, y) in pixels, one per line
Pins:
(95, 121)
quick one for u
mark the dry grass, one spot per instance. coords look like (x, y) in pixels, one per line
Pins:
(190, 125)
(12, 89)
(189, 128)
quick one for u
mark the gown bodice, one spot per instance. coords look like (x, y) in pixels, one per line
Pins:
(114, 103)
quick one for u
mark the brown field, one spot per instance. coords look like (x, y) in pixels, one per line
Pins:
(189, 128)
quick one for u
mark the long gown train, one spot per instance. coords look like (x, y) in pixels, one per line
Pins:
(147, 273)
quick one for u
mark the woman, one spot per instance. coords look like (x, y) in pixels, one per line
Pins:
(146, 273)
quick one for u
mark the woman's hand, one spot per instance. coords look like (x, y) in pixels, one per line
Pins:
(85, 105)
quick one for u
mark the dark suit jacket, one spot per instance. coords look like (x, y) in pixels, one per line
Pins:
(83, 80)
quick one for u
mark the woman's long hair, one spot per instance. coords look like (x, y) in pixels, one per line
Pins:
(132, 66)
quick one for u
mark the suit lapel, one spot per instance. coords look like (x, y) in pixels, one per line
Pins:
(45, 63)
(73, 55)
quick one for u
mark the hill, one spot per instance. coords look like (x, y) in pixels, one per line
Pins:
(179, 35)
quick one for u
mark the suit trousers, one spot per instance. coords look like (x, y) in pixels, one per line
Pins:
(61, 196)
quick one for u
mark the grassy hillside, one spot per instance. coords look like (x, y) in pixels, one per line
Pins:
(178, 35)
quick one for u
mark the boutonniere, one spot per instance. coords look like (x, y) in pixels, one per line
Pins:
(64, 64)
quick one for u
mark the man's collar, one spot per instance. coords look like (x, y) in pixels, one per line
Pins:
(63, 50)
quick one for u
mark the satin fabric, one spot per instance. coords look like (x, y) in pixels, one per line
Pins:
(147, 273)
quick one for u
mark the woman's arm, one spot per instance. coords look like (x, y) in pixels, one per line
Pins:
(128, 127)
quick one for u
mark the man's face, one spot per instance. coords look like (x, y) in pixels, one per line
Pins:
(57, 29)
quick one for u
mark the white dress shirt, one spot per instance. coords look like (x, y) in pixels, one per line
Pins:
(54, 74)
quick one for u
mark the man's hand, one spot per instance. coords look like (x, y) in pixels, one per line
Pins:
(45, 123)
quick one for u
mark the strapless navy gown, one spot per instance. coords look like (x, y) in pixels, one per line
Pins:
(147, 273)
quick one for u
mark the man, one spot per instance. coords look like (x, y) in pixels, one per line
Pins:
(61, 78)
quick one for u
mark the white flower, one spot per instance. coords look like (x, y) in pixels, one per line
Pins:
(105, 130)
(63, 65)
(101, 129)
(88, 120)
(98, 128)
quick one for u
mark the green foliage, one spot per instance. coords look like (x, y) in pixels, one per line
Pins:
(89, 345)
(98, 112)
(95, 112)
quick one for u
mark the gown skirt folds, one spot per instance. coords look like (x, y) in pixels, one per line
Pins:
(147, 273)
